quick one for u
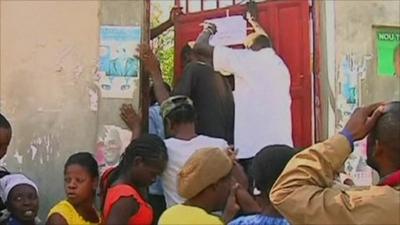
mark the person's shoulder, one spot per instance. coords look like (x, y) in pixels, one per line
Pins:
(169, 141)
(172, 214)
(154, 110)
(216, 142)
(63, 204)
(196, 66)
(64, 208)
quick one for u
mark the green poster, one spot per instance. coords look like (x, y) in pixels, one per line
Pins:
(387, 42)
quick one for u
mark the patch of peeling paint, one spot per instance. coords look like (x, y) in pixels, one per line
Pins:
(352, 70)
(18, 157)
(93, 99)
(43, 148)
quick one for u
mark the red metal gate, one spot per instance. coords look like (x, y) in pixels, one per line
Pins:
(287, 23)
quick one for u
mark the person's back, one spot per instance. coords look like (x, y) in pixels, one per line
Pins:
(206, 182)
(260, 75)
(179, 118)
(179, 152)
(212, 97)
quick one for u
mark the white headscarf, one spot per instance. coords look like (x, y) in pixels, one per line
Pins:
(8, 182)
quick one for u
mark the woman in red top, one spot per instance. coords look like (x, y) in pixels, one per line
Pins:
(144, 159)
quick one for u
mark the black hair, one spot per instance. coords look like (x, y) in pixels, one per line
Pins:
(4, 122)
(152, 94)
(185, 113)
(86, 160)
(387, 130)
(262, 41)
(268, 164)
(149, 147)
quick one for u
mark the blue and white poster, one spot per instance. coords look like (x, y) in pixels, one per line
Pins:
(119, 68)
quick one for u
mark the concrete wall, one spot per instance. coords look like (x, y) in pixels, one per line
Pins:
(49, 53)
(348, 67)
(348, 55)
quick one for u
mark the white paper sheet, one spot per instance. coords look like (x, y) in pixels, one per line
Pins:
(230, 30)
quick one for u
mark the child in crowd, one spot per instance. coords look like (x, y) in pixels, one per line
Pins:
(268, 164)
(21, 197)
(144, 159)
(80, 182)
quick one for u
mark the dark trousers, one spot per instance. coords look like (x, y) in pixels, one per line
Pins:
(158, 204)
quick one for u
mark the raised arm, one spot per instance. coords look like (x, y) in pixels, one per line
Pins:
(202, 44)
(304, 193)
(173, 14)
(131, 119)
(152, 66)
(256, 26)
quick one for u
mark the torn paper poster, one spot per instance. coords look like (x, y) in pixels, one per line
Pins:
(119, 68)
(110, 146)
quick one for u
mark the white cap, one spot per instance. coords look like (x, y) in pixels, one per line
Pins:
(8, 182)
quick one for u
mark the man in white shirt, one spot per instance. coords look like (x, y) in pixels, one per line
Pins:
(179, 120)
(262, 90)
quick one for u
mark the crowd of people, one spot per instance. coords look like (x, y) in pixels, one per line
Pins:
(212, 157)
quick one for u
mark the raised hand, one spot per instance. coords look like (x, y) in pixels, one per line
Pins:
(231, 207)
(174, 13)
(149, 60)
(209, 27)
(130, 117)
(363, 120)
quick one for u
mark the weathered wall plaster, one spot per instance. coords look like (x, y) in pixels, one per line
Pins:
(49, 52)
(353, 81)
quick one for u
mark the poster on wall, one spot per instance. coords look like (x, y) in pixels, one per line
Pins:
(110, 146)
(119, 69)
(388, 51)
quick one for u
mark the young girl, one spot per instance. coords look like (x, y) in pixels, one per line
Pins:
(144, 159)
(80, 183)
(20, 196)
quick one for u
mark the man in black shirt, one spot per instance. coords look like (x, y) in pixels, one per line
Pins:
(211, 94)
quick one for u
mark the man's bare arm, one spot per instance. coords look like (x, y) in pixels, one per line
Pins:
(256, 26)
(152, 66)
(202, 44)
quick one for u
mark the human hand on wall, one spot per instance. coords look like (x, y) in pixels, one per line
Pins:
(363, 120)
